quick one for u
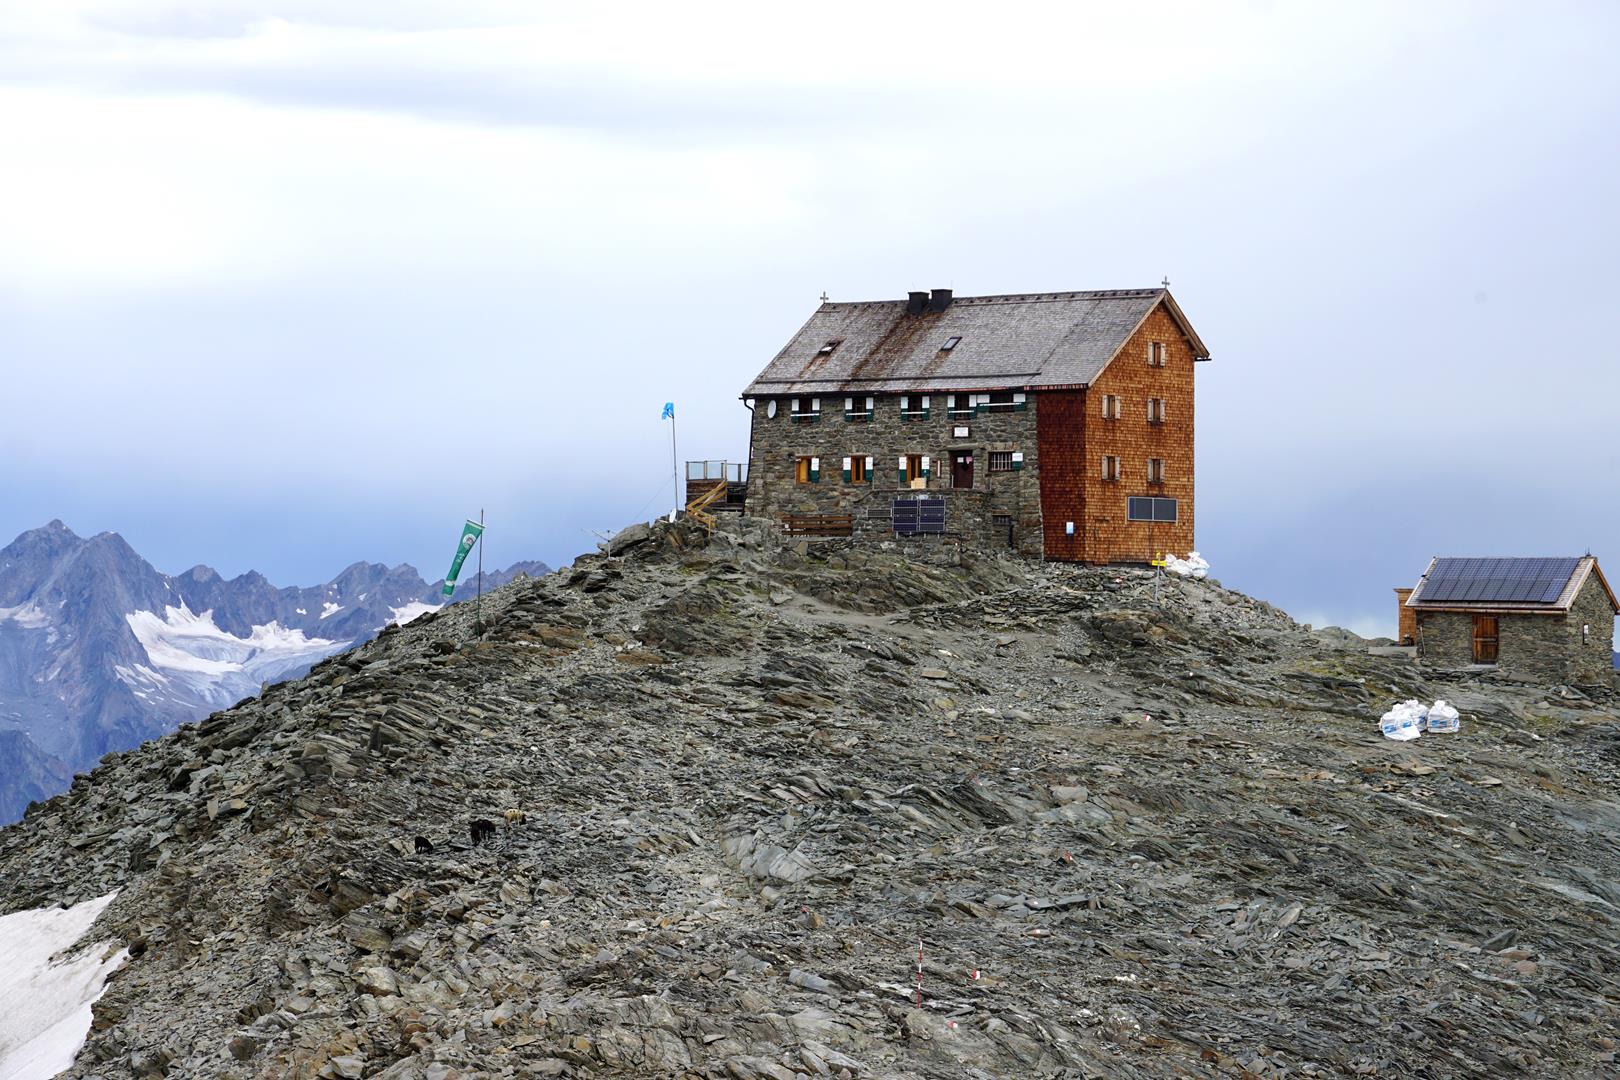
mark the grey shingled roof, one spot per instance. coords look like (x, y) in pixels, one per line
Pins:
(1037, 340)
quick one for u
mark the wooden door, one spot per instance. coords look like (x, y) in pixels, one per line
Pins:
(1485, 639)
(961, 468)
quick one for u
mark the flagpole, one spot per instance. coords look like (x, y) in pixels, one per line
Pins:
(478, 604)
(674, 468)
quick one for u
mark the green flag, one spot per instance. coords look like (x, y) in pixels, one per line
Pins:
(470, 533)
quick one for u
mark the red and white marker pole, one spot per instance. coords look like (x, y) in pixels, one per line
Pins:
(919, 972)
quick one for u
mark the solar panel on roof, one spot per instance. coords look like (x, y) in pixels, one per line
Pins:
(1507, 581)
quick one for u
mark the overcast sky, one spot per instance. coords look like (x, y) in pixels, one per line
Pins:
(281, 288)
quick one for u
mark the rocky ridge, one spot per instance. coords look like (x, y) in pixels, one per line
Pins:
(99, 651)
(1130, 837)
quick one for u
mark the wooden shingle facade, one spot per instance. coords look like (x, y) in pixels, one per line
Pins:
(1059, 424)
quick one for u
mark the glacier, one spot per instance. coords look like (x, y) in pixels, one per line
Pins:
(188, 649)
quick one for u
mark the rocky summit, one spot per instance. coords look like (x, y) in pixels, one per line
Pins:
(756, 810)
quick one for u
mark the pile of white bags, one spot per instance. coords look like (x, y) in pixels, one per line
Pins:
(1192, 566)
(1412, 718)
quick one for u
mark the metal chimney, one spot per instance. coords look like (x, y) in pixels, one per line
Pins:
(940, 300)
(916, 302)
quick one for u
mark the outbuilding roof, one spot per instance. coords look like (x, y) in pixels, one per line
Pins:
(1036, 340)
(1539, 585)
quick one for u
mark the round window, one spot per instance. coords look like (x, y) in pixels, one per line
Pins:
(770, 408)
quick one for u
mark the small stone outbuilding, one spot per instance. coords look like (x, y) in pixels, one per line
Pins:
(1550, 619)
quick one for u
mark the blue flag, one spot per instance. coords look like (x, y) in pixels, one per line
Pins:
(669, 411)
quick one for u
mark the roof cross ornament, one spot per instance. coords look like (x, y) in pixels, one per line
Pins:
(823, 296)
(1166, 281)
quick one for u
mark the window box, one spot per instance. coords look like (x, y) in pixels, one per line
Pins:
(1001, 402)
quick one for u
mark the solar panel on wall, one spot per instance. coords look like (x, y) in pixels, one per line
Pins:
(1506, 581)
(910, 517)
(903, 517)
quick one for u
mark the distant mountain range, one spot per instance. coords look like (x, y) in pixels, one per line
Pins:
(100, 652)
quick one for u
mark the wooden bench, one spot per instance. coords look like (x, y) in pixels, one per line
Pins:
(818, 524)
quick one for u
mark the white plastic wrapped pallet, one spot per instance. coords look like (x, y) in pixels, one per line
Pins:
(1193, 566)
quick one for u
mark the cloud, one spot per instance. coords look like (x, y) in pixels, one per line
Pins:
(372, 262)
(644, 69)
(1368, 626)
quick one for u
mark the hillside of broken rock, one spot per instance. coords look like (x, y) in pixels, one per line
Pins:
(1132, 837)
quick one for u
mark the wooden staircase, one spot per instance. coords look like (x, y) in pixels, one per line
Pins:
(698, 508)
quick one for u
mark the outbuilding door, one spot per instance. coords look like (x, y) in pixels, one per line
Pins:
(961, 468)
(1485, 639)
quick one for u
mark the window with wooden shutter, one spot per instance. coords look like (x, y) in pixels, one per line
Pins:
(1155, 410)
(1155, 470)
(1156, 354)
(1110, 467)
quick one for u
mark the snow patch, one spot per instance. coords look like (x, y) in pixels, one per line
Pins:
(25, 615)
(414, 610)
(45, 998)
(301, 611)
(329, 609)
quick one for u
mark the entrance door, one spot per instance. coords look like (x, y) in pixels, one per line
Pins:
(1485, 639)
(961, 468)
